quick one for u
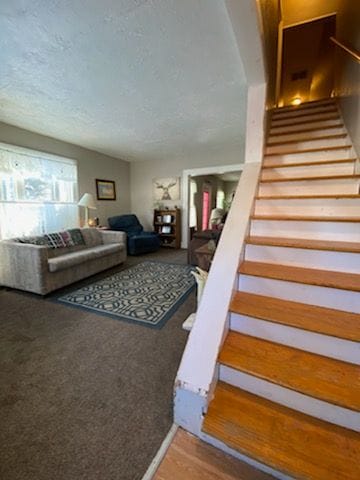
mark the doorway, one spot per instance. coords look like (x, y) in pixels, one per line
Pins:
(214, 184)
(307, 64)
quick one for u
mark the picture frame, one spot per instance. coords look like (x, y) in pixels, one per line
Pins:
(105, 189)
(165, 189)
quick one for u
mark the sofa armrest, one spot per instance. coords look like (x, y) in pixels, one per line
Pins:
(113, 236)
(23, 266)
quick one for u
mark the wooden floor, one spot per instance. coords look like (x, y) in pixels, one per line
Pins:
(189, 458)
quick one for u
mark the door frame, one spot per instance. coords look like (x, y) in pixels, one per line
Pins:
(194, 172)
(281, 29)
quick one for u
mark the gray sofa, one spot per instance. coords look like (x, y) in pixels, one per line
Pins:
(42, 269)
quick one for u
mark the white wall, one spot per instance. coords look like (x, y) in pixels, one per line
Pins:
(142, 174)
(91, 165)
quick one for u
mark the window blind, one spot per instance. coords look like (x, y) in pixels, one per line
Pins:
(38, 192)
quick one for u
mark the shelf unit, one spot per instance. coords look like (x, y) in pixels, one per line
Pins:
(167, 223)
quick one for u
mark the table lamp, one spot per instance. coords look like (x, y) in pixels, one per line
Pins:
(87, 201)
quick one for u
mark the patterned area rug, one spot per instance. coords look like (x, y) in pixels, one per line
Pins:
(148, 293)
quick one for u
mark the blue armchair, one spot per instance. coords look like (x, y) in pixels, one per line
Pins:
(138, 241)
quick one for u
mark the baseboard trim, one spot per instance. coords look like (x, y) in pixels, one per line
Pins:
(154, 465)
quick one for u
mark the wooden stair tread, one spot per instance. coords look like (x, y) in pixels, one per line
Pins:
(302, 179)
(305, 105)
(290, 115)
(305, 130)
(304, 218)
(326, 321)
(283, 197)
(287, 440)
(320, 377)
(188, 457)
(275, 123)
(309, 150)
(306, 164)
(308, 139)
(328, 245)
(309, 276)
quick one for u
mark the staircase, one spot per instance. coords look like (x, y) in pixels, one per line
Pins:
(288, 393)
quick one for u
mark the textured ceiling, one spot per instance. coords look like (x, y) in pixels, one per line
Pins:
(135, 79)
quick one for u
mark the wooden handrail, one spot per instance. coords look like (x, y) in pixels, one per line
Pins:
(349, 50)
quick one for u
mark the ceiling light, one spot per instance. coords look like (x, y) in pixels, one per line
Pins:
(296, 101)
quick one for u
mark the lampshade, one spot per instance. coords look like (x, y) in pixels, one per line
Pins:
(87, 200)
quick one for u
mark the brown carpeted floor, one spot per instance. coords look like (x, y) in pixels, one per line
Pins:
(84, 396)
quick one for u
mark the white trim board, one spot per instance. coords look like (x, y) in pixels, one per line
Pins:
(160, 454)
(195, 172)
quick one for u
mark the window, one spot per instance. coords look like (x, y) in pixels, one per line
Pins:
(192, 212)
(38, 192)
(220, 198)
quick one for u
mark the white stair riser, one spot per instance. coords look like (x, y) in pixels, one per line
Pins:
(304, 145)
(289, 398)
(313, 187)
(335, 231)
(332, 347)
(316, 124)
(346, 300)
(338, 154)
(308, 171)
(305, 135)
(323, 207)
(304, 112)
(319, 117)
(301, 257)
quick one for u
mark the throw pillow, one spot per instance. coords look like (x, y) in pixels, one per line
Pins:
(65, 235)
(76, 236)
(38, 240)
(55, 240)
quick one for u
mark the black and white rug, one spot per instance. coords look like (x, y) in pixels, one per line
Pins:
(148, 293)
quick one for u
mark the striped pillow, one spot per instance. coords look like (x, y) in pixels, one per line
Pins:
(55, 240)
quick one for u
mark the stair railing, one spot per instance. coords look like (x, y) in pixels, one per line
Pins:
(352, 52)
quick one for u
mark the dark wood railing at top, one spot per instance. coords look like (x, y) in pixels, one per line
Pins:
(354, 54)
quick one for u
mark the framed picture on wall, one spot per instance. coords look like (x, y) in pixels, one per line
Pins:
(105, 189)
(166, 188)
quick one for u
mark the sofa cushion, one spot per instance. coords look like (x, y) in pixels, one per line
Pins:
(58, 252)
(92, 237)
(70, 259)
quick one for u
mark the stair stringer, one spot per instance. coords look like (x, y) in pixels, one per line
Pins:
(198, 372)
